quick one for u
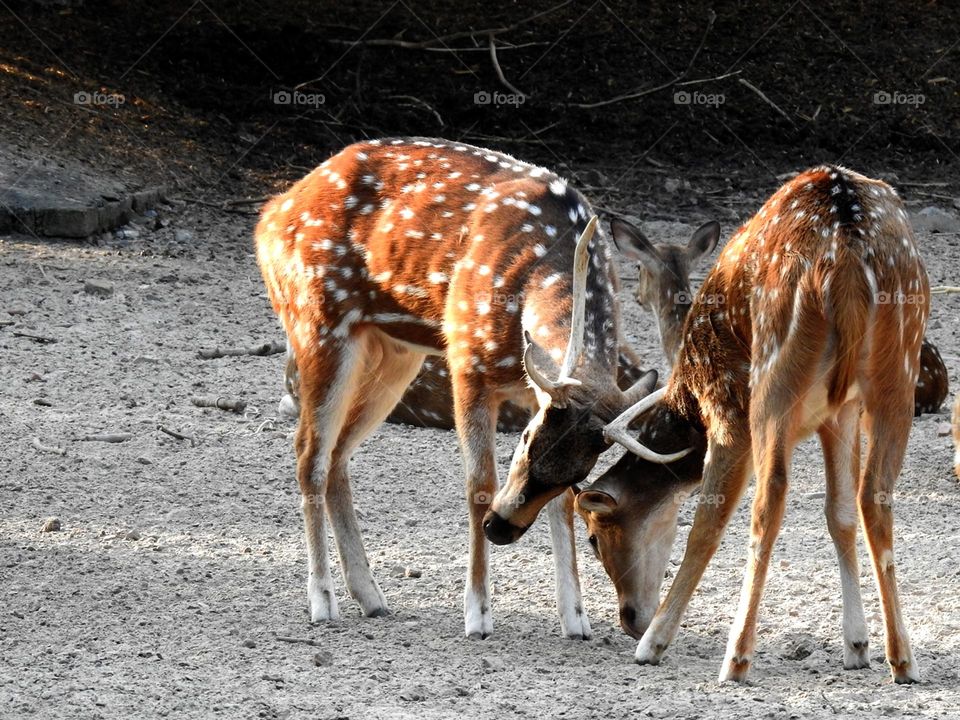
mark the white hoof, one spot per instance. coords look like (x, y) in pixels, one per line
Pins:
(649, 650)
(288, 407)
(856, 654)
(575, 625)
(477, 616)
(323, 601)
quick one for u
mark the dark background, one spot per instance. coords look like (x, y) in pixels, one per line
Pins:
(199, 80)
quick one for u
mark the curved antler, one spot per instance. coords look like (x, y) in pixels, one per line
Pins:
(617, 431)
(581, 263)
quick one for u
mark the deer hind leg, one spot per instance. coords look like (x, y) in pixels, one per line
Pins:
(725, 475)
(289, 404)
(840, 439)
(476, 416)
(328, 377)
(887, 422)
(574, 623)
(772, 444)
(387, 370)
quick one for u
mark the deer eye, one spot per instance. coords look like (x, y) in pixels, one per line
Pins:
(593, 541)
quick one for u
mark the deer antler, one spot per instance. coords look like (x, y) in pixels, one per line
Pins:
(617, 431)
(581, 261)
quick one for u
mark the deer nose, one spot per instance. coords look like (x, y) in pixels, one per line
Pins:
(500, 531)
(632, 622)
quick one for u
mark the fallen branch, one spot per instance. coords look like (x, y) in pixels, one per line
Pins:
(178, 436)
(443, 39)
(750, 86)
(107, 438)
(233, 404)
(270, 348)
(48, 448)
(36, 338)
(420, 103)
(944, 290)
(711, 19)
(247, 201)
(304, 641)
(496, 66)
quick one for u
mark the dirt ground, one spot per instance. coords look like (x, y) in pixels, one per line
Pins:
(180, 562)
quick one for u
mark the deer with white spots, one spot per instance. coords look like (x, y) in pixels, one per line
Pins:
(663, 289)
(814, 312)
(393, 250)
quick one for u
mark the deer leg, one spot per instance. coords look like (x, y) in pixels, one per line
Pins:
(376, 396)
(325, 394)
(725, 475)
(887, 429)
(573, 618)
(841, 451)
(772, 445)
(476, 415)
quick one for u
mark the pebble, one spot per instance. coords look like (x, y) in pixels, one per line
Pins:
(132, 535)
(494, 664)
(51, 524)
(182, 236)
(944, 429)
(98, 288)
(323, 658)
(248, 643)
(412, 573)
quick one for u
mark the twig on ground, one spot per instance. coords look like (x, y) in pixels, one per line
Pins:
(711, 19)
(496, 66)
(750, 86)
(48, 448)
(270, 348)
(177, 436)
(944, 290)
(233, 404)
(7, 323)
(107, 438)
(36, 338)
(247, 201)
(304, 641)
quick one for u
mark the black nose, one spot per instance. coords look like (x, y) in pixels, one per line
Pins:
(500, 531)
(633, 625)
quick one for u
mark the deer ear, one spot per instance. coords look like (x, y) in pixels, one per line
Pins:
(596, 501)
(632, 243)
(703, 241)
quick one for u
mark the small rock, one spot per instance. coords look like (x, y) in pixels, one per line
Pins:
(51, 524)
(182, 236)
(323, 658)
(144, 460)
(398, 571)
(671, 185)
(411, 573)
(944, 429)
(493, 664)
(127, 233)
(413, 693)
(98, 288)
(797, 647)
(248, 643)
(132, 535)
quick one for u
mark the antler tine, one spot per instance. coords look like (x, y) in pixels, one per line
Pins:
(618, 431)
(539, 379)
(581, 263)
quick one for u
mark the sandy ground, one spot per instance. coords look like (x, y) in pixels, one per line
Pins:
(178, 563)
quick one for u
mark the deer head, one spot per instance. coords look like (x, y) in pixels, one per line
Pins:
(577, 400)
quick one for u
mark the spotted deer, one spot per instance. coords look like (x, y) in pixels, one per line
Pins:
(663, 289)
(814, 312)
(932, 383)
(396, 249)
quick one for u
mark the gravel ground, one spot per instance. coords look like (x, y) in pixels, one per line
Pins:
(179, 563)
